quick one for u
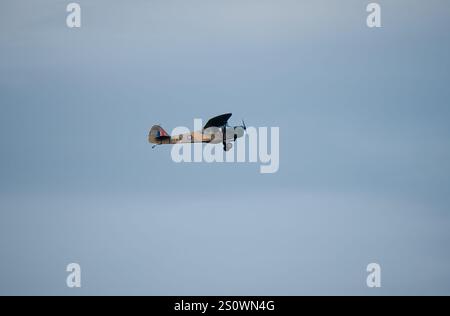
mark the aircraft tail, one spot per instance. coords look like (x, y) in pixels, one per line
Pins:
(158, 135)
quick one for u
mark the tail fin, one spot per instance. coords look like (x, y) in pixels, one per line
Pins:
(157, 135)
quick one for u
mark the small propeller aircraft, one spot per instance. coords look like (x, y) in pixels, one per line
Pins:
(216, 130)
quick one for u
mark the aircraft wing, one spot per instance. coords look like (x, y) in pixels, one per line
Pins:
(218, 121)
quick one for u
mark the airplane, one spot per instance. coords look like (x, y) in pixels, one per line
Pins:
(216, 130)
